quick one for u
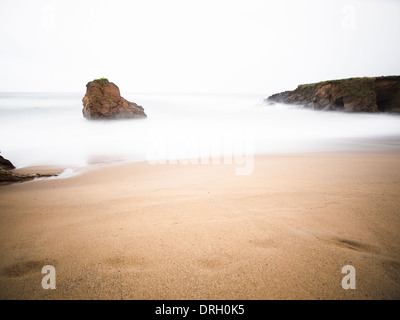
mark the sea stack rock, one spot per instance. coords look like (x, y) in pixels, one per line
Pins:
(372, 94)
(103, 101)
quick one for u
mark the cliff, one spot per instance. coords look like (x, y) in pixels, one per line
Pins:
(373, 94)
(103, 101)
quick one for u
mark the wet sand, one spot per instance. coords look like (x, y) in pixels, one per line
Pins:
(141, 231)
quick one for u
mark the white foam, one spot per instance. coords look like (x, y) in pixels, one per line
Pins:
(67, 173)
(50, 129)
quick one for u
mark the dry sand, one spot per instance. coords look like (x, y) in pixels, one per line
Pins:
(138, 231)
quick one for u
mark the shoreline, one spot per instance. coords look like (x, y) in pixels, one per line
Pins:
(141, 231)
(58, 171)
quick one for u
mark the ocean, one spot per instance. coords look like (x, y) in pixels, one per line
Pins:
(49, 129)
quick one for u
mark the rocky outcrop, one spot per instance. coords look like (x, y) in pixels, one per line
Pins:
(8, 176)
(379, 94)
(103, 101)
(6, 164)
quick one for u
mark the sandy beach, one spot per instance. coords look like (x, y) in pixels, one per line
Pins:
(141, 231)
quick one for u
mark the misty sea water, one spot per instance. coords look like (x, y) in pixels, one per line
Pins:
(49, 129)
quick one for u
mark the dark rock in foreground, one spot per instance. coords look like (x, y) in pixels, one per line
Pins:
(376, 94)
(10, 177)
(103, 101)
(7, 176)
(6, 164)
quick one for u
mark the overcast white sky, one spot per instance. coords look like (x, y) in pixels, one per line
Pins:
(249, 46)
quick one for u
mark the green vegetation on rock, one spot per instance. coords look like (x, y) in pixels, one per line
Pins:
(102, 81)
(306, 89)
(357, 87)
